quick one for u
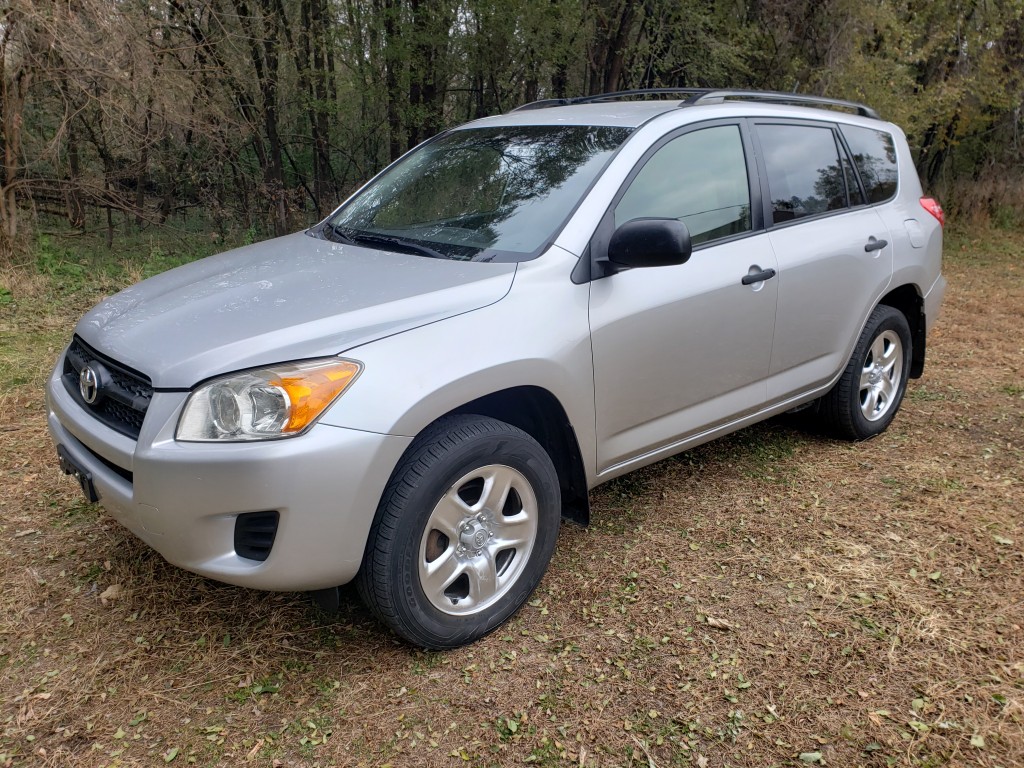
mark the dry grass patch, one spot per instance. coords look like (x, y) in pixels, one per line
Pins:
(774, 598)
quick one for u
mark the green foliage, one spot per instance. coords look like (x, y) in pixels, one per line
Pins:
(57, 262)
(264, 116)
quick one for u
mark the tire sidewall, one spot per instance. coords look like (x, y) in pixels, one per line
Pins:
(888, 320)
(411, 604)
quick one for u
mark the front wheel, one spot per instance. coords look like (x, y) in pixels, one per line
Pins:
(463, 533)
(865, 399)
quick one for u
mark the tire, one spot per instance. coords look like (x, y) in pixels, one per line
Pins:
(463, 533)
(867, 396)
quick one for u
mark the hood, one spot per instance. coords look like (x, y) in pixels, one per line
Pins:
(286, 299)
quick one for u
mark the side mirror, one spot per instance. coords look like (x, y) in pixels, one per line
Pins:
(650, 243)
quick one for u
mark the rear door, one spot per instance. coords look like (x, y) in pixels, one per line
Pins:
(682, 348)
(834, 252)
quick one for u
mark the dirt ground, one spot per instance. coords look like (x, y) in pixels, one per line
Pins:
(774, 598)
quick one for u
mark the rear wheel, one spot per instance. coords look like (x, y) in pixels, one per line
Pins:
(867, 396)
(463, 533)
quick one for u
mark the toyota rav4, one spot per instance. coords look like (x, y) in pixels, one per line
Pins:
(414, 392)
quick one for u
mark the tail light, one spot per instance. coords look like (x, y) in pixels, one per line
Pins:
(931, 205)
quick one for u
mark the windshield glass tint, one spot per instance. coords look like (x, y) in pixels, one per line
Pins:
(486, 193)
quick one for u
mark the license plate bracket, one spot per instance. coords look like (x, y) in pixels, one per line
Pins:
(80, 473)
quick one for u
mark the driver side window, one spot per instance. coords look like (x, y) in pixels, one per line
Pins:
(699, 178)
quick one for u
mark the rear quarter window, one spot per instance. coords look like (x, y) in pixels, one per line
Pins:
(874, 154)
(805, 174)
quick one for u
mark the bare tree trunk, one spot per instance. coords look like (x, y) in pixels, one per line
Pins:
(76, 215)
(13, 89)
(615, 20)
(110, 212)
(431, 21)
(393, 64)
(321, 76)
(309, 68)
(265, 59)
(142, 171)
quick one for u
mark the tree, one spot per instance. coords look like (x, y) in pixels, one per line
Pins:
(264, 113)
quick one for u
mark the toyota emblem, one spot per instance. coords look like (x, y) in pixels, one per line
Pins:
(89, 385)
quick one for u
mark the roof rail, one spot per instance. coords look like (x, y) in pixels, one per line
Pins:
(612, 96)
(717, 96)
(542, 104)
(694, 96)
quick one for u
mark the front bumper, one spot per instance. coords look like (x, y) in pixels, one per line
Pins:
(182, 499)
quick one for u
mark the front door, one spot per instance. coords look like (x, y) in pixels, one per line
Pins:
(680, 349)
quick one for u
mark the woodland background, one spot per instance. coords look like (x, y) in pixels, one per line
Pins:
(261, 115)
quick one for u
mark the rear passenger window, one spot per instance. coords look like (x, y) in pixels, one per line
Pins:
(699, 178)
(805, 175)
(874, 154)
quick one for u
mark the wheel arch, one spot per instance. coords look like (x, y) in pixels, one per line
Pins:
(908, 300)
(539, 413)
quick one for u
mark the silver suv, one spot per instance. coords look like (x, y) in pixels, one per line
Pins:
(414, 392)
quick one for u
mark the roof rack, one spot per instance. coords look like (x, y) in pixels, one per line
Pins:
(613, 96)
(695, 96)
(717, 96)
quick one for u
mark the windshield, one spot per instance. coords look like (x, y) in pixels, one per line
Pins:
(486, 194)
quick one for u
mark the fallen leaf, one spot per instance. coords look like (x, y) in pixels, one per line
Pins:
(977, 740)
(647, 754)
(810, 757)
(718, 623)
(113, 592)
(1003, 540)
(702, 762)
(253, 752)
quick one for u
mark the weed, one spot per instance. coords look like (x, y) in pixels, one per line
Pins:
(263, 686)
(924, 394)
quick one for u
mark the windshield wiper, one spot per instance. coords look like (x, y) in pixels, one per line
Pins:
(334, 233)
(354, 237)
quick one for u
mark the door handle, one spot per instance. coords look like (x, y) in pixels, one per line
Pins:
(875, 245)
(758, 277)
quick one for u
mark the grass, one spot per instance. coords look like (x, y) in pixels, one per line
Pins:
(774, 598)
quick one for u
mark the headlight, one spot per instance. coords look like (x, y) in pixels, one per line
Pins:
(280, 401)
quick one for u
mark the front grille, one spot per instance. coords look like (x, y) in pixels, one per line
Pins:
(123, 395)
(255, 533)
